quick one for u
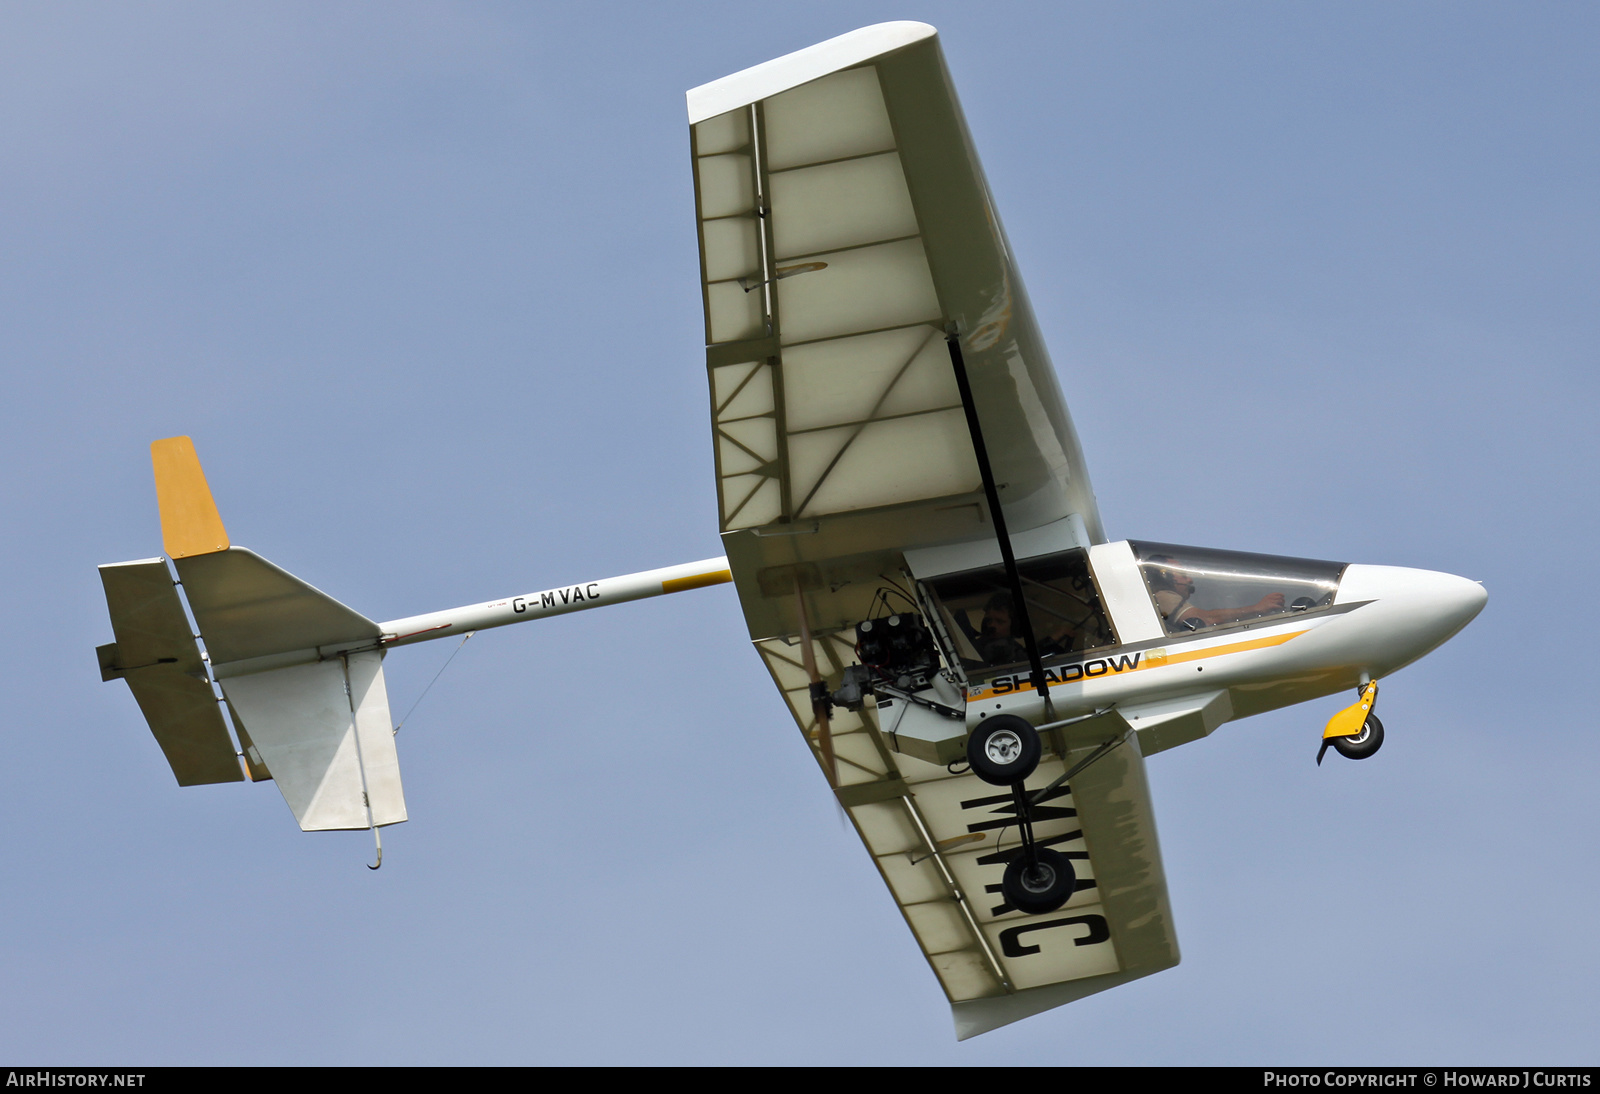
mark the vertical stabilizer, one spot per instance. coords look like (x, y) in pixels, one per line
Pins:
(190, 523)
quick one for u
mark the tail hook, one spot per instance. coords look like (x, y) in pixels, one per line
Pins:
(379, 841)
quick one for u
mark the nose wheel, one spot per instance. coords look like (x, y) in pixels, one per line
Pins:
(1004, 751)
(1361, 745)
(1355, 732)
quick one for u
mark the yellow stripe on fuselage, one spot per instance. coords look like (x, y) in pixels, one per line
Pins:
(696, 581)
(1147, 661)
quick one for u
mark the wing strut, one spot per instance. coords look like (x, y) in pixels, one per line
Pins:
(820, 702)
(992, 492)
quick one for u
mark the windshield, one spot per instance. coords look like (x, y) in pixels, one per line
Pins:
(1196, 588)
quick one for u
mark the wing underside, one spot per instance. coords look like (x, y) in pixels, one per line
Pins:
(847, 233)
(942, 842)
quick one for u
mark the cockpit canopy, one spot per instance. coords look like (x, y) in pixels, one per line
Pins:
(1192, 589)
(1196, 588)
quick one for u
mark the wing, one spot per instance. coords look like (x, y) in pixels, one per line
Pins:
(847, 235)
(845, 226)
(942, 842)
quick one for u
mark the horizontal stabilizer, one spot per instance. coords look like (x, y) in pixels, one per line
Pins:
(323, 730)
(156, 654)
(247, 607)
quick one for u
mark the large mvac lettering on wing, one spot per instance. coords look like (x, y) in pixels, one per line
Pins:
(1072, 942)
(999, 812)
(1092, 929)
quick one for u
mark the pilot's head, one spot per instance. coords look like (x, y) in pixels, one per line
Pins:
(1167, 574)
(997, 616)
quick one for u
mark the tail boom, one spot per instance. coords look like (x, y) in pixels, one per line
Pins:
(557, 601)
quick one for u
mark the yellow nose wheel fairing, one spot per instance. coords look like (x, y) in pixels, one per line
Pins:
(1354, 721)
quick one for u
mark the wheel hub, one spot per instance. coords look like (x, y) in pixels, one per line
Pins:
(1003, 747)
(1039, 879)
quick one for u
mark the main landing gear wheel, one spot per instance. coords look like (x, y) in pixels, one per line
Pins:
(1003, 750)
(1040, 888)
(1361, 745)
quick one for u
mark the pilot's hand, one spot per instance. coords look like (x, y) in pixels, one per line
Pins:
(1271, 602)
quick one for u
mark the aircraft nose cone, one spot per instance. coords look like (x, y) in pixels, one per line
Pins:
(1450, 602)
(1416, 610)
(1458, 601)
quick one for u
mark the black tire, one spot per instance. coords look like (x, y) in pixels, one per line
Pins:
(1363, 744)
(1003, 750)
(1044, 889)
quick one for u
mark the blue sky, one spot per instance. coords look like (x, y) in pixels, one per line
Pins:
(420, 280)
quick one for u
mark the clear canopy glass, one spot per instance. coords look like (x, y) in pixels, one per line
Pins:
(1198, 588)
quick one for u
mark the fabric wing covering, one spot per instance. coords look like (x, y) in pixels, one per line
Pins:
(846, 231)
(845, 224)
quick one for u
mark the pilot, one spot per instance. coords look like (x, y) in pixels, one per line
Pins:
(997, 642)
(1173, 589)
(996, 639)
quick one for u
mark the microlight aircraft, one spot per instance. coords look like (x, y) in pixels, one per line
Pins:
(909, 525)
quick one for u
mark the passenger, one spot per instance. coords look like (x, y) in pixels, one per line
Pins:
(1172, 589)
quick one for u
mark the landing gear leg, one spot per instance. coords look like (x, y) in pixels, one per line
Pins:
(1039, 880)
(1004, 751)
